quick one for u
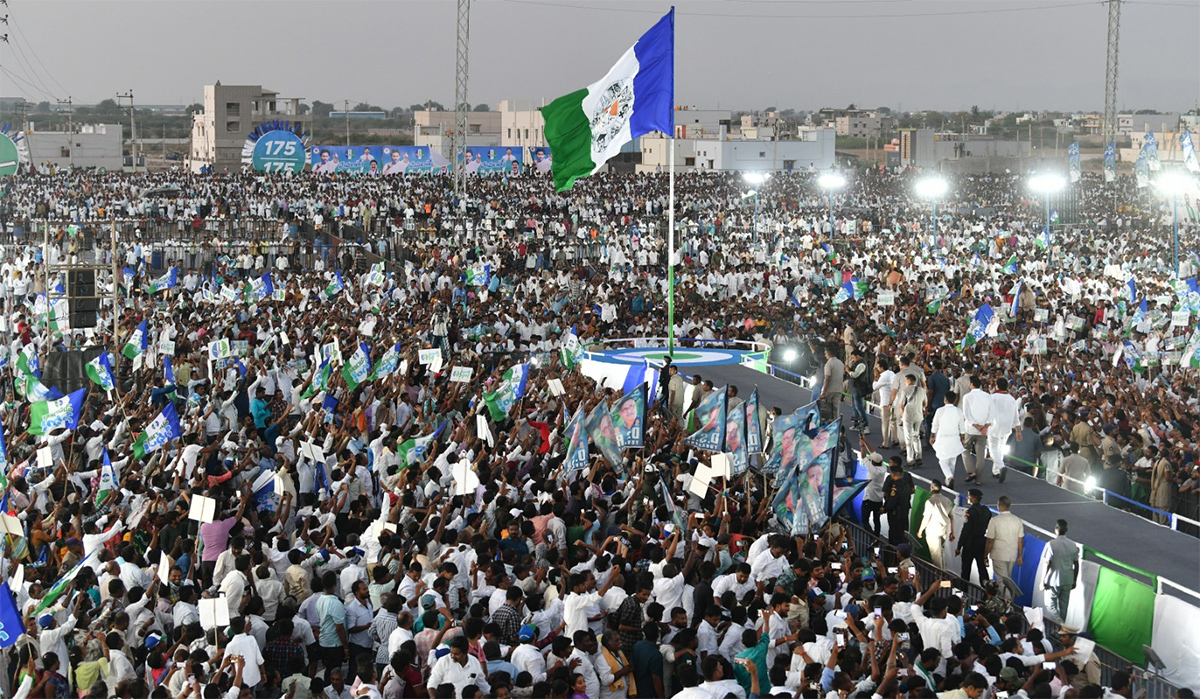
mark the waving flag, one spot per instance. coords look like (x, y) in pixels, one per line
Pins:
(1150, 150)
(358, 369)
(4, 462)
(1131, 285)
(709, 419)
(108, 479)
(577, 443)
(735, 440)
(335, 287)
(32, 389)
(603, 434)
(260, 288)
(1073, 158)
(629, 418)
(572, 350)
(1016, 299)
(64, 583)
(11, 625)
(127, 275)
(1110, 162)
(387, 363)
(1140, 313)
(1141, 170)
(27, 361)
(137, 342)
(168, 370)
(1189, 150)
(479, 275)
(412, 451)
(1011, 266)
(377, 275)
(99, 370)
(320, 382)
(754, 436)
(588, 127)
(979, 326)
(158, 433)
(166, 281)
(844, 293)
(1133, 357)
(49, 415)
(510, 390)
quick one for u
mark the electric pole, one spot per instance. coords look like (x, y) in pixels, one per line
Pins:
(1109, 128)
(346, 114)
(70, 129)
(462, 47)
(132, 128)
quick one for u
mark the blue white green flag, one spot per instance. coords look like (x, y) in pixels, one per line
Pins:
(510, 390)
(108, 479)
(387, 363)
(99, 370)
(259, 288)
(577, 443)
(357, 370)
(49, 415)
(158, 433)
(137, 342)
(335, 287)
(166, 281)
(479, 275)
(412, 451)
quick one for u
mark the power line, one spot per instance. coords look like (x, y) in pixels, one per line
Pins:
(26, 66)
(38, 58)
(14, 76)
(725, 15)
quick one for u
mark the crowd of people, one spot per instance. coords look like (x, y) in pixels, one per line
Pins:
(311, 530)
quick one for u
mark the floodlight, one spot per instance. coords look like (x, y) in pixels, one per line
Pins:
(831, 181)
(1047, 183)
(931, 187)
(1173, 183)
(755, 178)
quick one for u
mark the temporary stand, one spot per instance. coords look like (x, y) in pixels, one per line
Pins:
(53, 270)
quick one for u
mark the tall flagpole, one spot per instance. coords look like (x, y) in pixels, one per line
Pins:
(671, 244)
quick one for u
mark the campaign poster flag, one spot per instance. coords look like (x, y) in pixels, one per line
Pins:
(1189, 151)
(1150, 150)
(812, 495)
(49, 415)
(542, 159)
(735, 440)
(412, 160)
(754, 434)
(510, 390)
(577, 443)
(629, 419)
(603, 433)
(495, 160)
(709, 418)
(356, 160)
(1110, 162)
(1073, 156)
(158, 433)
(357, 369)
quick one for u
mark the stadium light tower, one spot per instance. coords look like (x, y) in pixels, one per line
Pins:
(756, 179)
(1172, 184)
(1047, 184)
(829, 182)
(933, 187)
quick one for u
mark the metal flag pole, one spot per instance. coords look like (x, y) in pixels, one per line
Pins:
(671, 246)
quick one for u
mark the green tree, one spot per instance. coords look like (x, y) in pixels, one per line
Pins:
(364, 107)
(321, 109)
(482, 108)
(195, 108)
(304, 108)
(43, 107)
(108, 108)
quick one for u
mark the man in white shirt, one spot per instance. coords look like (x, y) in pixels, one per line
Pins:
(1004, 416)
(977, 408)
(246, 647)
(458, 668)
(1005, 539)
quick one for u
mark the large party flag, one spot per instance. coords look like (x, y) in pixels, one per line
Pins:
(979, 326)
(387, 363)
(4, 463)
(754, 441)
(629, 418)
(577, 443)
(1016, 299)
(1110, 162)
(510, 390)
(11, 626)
(1150, 150)
(844, 293)
(108, 478)
(49, 415)
(158, 433)
(357, 369)
(710, 417)
(377, 275)
(411, 451)
(62, 585)
(127, 276)
(1073, 157)
(1189, 150)
(1131, 285)
(28, 362)
(735, 440)
(603, 434)
(572, 350)
(335, 286)
(320, 382)
(168, 370)
(1011, 266)
(137, 342)
(260, 288)
(166, 281)
(1133, 357)
(588, 127)
(479, 275)
(99, 370)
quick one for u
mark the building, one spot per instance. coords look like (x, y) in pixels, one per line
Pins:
(358, 115)
(435, 129)
(230, 113)
(813, 150)
(93, 145)
(863, 123)
(1169, 150)
(704, 123)
(521, 124)
(926, 148)
(1140, 124)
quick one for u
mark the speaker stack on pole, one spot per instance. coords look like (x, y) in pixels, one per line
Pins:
(81, 294)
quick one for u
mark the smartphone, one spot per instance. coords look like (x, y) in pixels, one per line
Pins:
(841, 638)
(904, 636)
(878, 612)
(841, 614)
(893, 570)
(974, 608)
(835, 566)
(1048, 666)
(845, 546)
(877, 551)
(1001, 695)
(947, 583)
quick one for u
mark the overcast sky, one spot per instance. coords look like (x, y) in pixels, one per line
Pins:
(734, 54)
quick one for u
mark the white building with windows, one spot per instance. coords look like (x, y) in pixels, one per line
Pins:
(230, 113)
(813, 150)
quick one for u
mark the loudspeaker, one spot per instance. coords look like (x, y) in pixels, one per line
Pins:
(66, 370)
(81, 290)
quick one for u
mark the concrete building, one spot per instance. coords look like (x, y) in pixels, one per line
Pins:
(230, 113)
(521, 124)
(813, 150)
(863, 123)
(703, 123)
(926, 148)
(1139, 124)
(434, 129)
(94, 145)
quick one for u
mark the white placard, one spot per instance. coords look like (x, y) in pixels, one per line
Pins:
(164, 568)
(203, 509)
(166, 347)
(283, 338)
(556, 387)
(45, 458)
(722, 465)
(1041, 315)
(465, 480)
(461, 374)
(312, 451)
(887, 298)
(482, 429)
(700, 481)
(436, 365)
(214, 613)
(1083, 650)
(1180, 319)
(1036, 617)
(428, 356)
(18, 578)
(11, 525)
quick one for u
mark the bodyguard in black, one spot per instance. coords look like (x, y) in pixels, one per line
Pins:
(972, 542)
(897, 501)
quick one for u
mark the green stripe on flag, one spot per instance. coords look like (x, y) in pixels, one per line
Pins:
(569, 134)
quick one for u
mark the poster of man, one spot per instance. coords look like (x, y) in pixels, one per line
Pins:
(628, 418)
(492, 160)
(542, 160)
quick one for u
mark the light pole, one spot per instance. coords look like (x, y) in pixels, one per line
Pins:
(1046, 184)
(830, 181)
(756, 179)
(1172, 184)
(932, 188)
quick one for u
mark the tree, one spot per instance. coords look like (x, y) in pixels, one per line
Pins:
(321, 109)
(364, 107)
(482, 108)
(884, 110)
(974, 110)
(108, 107)
(43, 107)
(851, 107)
(195, 108)
(304, 108)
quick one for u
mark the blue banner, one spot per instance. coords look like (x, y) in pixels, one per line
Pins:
(495, 160)
(1073, 155)
(412, 160)
(1189, 151)
(1110, 162)
(360, 160)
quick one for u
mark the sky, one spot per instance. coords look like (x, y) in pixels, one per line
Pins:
(731, 54)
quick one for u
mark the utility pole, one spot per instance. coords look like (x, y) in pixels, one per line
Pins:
(70, 129)
(461, 73)
(1109, 126)
(133, 150)
(346, 113)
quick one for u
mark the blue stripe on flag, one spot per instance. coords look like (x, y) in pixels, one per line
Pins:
(654, 84)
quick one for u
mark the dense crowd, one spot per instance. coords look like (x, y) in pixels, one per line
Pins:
(308, 531)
